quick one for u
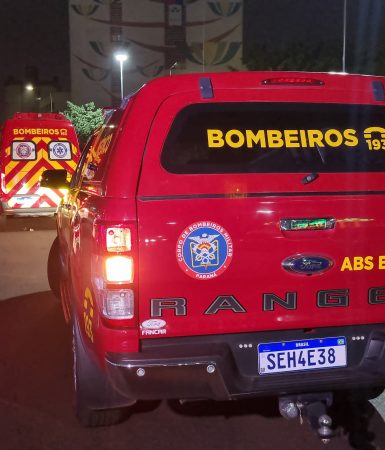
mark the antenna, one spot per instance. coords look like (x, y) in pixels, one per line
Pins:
(204, 38)
(174, 66)
(344, 39)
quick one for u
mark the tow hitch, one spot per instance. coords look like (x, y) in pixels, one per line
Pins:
(311, 407)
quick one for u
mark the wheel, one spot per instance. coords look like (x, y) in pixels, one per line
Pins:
(54, 268)
(93, 394)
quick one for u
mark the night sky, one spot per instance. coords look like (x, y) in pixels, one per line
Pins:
(35, 32)
(277, 23)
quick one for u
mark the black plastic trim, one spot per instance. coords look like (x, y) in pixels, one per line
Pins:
(257, 194)
(206, 87)
(378, 90)
(223, 367)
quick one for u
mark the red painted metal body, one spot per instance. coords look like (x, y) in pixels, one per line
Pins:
(253, 292)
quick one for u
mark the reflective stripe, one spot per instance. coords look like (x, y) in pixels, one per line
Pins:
(22, 177)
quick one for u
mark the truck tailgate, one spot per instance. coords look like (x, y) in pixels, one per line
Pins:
(259, 287)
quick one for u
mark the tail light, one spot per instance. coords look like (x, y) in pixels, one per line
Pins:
(119, 269)
(118, 239)
(3, 187)
(118, 304)
(114, 272)
(293, 81)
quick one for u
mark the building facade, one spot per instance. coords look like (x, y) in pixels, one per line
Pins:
(160, 37)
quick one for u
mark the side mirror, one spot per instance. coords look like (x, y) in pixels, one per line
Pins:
(54, 179)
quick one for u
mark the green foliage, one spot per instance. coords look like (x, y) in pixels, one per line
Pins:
(296, 56)
(85, 119)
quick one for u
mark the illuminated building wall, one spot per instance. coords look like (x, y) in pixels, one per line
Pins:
(197, 35)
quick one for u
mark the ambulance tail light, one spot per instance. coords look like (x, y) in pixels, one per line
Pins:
(114, 273)
(2, 181)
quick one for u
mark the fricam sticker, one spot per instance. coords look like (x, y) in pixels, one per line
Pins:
(204, 250)
(153, 327)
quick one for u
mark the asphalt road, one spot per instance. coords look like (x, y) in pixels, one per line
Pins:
(24, 249)
(15, 223)
(36, 402)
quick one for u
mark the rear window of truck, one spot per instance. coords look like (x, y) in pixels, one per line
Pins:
(276, 138)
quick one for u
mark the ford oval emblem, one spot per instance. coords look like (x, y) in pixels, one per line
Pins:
(153, 324)
(307, 264)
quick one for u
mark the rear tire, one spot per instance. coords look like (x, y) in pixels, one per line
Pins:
(92, 388)
(54, 268)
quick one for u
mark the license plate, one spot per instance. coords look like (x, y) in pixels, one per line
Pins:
(23, 199)
(308, 354)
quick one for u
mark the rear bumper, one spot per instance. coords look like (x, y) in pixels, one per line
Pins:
(226, 367)
(43, 211)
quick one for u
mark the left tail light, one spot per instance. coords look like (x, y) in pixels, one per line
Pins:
(118, 304)
(114, 272)
(119, 269)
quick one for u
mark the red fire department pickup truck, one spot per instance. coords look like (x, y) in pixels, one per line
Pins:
(221, 239)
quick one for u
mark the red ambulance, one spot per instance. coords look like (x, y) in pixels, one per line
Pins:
(30, 144)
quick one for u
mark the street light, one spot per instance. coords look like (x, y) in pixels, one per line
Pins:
(121, 57)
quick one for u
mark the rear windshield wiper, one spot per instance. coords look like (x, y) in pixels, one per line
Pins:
(321, 154)
(314, 175)
(309, 178)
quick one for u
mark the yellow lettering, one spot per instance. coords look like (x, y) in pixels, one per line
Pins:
(351, 139)
(358, 263)
(368, 263)
(274, 139)
(291, 138)
(315, 138)
(333, 138)
(302, 134)
(239, 138)
(40, 131)
(381, 262)
(235, 138)
(215, 138)
(346, 264)
(252, 138)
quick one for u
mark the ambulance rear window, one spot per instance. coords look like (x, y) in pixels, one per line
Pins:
(23, 151)
(59, 151)
(276, 138)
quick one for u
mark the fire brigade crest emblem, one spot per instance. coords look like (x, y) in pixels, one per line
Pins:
(24, 151)
(204, 250)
